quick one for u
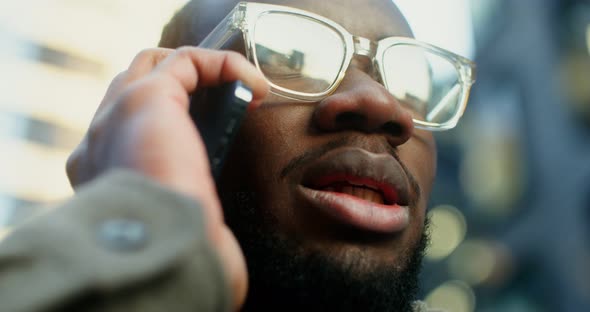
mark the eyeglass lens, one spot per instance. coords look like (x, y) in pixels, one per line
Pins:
(304, 55)
(422, 81)
(297, 53)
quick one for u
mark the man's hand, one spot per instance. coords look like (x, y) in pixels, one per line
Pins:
(143, 124)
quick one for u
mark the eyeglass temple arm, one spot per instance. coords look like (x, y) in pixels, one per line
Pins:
(222, 32)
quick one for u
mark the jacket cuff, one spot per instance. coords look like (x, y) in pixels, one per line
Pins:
(123, 240)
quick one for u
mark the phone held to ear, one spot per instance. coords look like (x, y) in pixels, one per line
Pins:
(218, 113)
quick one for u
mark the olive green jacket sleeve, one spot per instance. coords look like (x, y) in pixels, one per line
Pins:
(122, 243)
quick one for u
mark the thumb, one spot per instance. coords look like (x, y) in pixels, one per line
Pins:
(234, 265)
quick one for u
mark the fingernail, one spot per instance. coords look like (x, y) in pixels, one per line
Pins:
(254, 104)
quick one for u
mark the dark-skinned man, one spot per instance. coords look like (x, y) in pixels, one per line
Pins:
(322, 202)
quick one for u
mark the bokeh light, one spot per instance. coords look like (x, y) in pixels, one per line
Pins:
(455, 296)
(492, 174)
(478, 261)
(4, 232)
(448, 228)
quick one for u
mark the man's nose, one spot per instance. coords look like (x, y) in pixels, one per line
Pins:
(363, 104)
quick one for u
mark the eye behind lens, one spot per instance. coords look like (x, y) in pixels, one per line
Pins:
(298, 53)
(426, 83)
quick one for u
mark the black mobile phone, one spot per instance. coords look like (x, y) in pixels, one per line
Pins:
(218, 113)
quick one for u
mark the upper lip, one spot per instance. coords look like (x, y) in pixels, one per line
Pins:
(357, 166)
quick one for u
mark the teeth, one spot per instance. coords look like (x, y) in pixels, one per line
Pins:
(358, 191)
(372, 196)
(365, 194)
(349, 190)
(377, 198)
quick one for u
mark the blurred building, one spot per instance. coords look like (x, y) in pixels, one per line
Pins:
(518, 168)
(57, 58)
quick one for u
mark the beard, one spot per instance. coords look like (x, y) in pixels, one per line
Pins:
(284, 277)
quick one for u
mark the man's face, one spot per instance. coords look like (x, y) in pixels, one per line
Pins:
(344, 180)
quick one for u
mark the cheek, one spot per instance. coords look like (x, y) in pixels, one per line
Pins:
(275, 135)
(419, 155)
(268, 140)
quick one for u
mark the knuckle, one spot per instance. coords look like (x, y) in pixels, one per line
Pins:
(150, 57)
(138, 94)
(145, 55)
(185, 51)
(71, 164)
(75, 163)
(120, 78)
(91, 136)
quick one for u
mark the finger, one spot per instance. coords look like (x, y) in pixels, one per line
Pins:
(234, 264)
(73, 165)
(195, 66)
(143, 63)
(146, 60)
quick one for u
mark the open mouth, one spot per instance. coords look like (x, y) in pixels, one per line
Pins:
(361, 187)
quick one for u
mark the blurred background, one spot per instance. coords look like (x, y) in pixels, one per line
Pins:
(511, 207)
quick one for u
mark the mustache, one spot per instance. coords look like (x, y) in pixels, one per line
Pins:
(316, 153)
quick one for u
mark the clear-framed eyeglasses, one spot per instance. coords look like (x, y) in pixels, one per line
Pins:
(305, 56)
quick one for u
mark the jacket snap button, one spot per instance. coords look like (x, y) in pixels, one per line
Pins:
(123, 234)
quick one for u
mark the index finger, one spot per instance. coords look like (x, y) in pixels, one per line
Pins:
(143, 63)
(194, 67)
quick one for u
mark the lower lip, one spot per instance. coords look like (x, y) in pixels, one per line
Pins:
(358, 212)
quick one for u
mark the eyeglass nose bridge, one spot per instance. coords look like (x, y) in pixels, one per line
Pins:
(364, 47)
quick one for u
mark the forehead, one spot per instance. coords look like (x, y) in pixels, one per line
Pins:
(373, 19)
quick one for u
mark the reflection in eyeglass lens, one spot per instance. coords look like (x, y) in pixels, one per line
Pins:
(298, 53)
(424, 82)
